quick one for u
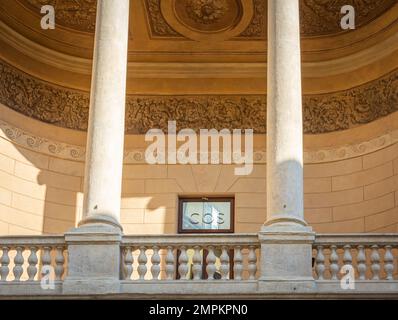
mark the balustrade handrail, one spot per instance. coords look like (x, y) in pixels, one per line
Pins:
(32, 240)
(237, 239)
(357, 239)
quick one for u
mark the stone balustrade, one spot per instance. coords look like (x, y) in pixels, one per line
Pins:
(207, 265)
(371, 256)
(30, 265)
(190, 257)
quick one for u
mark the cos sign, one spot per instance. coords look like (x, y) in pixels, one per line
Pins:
(211, 215)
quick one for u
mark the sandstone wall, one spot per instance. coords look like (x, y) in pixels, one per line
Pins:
(41, 191)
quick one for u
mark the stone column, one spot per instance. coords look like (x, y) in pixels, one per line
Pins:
(285, 238)
(105, 137)
(94, 247)
(284, 115)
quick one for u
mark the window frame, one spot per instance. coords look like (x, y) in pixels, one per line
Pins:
(181, 200)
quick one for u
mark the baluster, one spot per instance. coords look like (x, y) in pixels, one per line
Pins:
(238, 267)
(128, 263)
(334, 262)
(347, 257)
(375, 258)
(5, 261)
(32, 260)
(388, 263)
(320, 263)
(197, 264)
(142, 260)
(46, 261)
(59, 263)
(361, 258)
(18, 262)
(183, 266)
(210, 261)
(224, 268)
(252, 263)
(155, 269)
(170, 264)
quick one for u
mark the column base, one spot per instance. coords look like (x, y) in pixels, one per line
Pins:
(94, 259)
(100, 219)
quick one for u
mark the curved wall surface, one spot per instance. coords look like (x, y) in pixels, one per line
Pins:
(351, 181)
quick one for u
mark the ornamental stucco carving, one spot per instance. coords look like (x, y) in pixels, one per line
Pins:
(75, 14)
(158, 24)
(322, 113)
(322, 17)
(206, 11)
(258, 24)
(317, 17)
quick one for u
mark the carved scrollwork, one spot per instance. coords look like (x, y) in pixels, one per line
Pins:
(322, 17)
(322, 113)
(158, 24)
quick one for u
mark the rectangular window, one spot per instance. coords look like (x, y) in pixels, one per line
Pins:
(206, 215)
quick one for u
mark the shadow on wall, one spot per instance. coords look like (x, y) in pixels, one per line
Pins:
(41, 194)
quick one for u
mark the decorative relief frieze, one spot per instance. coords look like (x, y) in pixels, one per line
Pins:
(347, 109)
(137, 156)
(322, 113)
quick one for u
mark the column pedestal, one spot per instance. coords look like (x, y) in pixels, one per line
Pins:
(286, 260)
(94, 260)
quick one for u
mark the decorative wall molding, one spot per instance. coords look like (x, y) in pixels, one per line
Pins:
(136, 156)
(322, 113)
(41, 144)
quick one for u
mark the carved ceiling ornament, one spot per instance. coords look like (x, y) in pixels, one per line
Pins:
(206, 11)
(75, 14)
(208, 15)
(258, 24)
(322, 113)
(158, 24)
(322, 17)
(317, 17)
